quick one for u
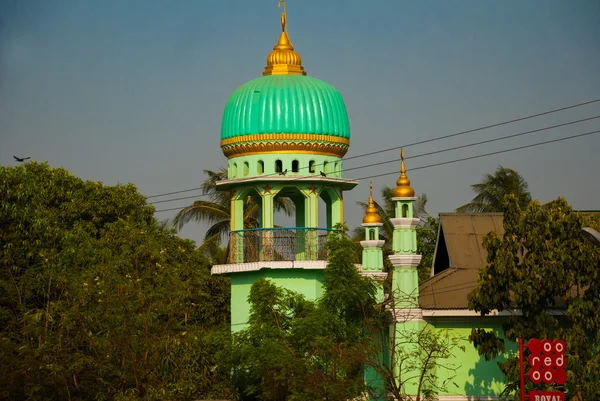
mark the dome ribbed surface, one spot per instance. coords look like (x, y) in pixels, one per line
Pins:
(285, 104)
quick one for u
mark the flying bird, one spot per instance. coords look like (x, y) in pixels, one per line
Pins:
(21, 159)
(323, 174)
(284, 172)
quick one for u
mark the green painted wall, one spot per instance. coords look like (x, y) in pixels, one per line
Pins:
(250, 166)
(475, 376)
(308, 282)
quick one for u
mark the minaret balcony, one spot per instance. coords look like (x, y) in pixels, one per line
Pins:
(278, 244)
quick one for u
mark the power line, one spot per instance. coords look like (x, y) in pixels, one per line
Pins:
(175, 192)
(417, 143)
(485, 154)
(425, 154)
(168, 210)
(456, 160)
(476, 129)
(474, 143)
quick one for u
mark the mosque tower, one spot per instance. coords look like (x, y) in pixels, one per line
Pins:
(284, 135)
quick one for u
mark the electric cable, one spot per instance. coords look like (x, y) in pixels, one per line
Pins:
(484, 154)
(472, 144)
(450, 161)
(421, 142)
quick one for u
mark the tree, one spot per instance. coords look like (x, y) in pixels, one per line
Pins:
(543, 262)
(426, 230)
(426, 240)
(217, 210)
(296, 349)
(97, 301)
(418, 357)
(492, 189)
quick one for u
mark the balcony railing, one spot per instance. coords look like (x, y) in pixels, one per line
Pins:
(277, 244)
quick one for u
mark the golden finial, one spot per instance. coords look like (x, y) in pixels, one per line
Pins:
(283, 59)
(283, 16)
(403, 188)
(371, 215)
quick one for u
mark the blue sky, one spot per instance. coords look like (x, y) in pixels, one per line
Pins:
(133, 91)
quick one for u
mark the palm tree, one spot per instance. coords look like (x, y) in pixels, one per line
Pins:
(217, 210)
(492, 189)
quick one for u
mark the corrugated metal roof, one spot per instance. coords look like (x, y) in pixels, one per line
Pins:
(463, 234)
(460, 242)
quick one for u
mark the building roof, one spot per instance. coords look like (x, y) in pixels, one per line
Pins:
(458, 257)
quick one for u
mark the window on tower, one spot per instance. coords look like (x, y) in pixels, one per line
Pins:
(261, 167)
(311, 166)
(295, 164)
(278, 166)
(246, 168)
(405, 210)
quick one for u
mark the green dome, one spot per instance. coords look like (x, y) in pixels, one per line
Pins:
(275, 104)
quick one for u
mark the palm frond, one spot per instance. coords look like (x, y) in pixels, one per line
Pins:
(201, 211)
(218, 230)
(285, 205)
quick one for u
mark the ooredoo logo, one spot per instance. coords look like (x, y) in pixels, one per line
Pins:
(547, 361)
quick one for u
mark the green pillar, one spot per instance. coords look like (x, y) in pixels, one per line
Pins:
(335, 206)
(237, 223)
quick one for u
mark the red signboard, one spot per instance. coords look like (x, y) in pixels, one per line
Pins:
(547, 361)
(545, 396)
(547, 364)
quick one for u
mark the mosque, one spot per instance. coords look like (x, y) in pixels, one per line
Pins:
(285, 135)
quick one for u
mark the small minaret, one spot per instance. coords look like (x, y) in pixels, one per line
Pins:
(407, 316)
(372, 267)
(372, 255)
(405, 281)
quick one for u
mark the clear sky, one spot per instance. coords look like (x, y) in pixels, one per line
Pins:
(133, 91)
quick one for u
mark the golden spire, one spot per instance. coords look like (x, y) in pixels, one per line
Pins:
(371, 215)
(403, 188)
(283, 59)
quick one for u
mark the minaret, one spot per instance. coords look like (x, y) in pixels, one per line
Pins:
(372, 255)
(407, 316)
(281, 151)
(372, 267)
(405, 281)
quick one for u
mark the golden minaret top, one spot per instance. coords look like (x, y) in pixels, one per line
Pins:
(283, 59)
(403, 188)
(371, 215)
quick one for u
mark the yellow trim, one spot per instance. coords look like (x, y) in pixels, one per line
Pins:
(236, 154)
(326, 145)
(285, 137)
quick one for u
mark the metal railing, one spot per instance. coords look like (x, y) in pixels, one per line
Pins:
(277, 244)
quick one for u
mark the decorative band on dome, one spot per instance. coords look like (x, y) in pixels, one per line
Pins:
(285, 143)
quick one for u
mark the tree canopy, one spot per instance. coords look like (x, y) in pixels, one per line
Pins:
(546, 269)
(491, 190)
(297, 349)
(97, 301)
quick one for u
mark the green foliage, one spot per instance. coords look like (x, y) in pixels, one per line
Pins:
(543, 263)
(493, 188)
(295, 349)
(217, 211)
(426, 240)
(97, 301)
